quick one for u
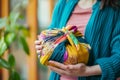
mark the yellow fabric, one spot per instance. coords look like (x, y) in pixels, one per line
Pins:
(77, 52)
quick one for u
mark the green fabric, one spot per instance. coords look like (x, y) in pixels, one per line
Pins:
(102, 33)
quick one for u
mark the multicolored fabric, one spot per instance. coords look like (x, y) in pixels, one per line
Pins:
(74, 51)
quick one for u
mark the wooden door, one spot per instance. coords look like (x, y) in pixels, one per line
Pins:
(32, 23)
(4, 12)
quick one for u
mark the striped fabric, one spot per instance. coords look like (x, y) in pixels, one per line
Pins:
(102, 33)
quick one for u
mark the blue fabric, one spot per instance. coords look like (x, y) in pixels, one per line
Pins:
(102, 33)
(58, 54)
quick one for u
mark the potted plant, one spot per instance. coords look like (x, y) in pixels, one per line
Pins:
(12, 31)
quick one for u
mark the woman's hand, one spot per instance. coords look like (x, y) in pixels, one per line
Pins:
(69, 70)
(38, 46)
(75, 70)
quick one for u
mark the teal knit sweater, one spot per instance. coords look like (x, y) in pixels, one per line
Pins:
(102, 33)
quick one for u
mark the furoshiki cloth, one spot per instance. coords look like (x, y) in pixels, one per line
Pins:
(65, 45)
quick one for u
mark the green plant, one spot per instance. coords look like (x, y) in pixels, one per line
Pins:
(12, 31)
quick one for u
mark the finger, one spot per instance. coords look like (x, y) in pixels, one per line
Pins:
(71, 67)
(39, 52)
(38, 56)
(58, 70)
(76, 67)
(59, 65)
(38, 47)
(37, 42)
(39, 38)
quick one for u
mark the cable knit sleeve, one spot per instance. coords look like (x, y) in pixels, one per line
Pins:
(110, 66)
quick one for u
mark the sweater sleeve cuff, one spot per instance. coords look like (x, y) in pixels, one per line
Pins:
(107, 70)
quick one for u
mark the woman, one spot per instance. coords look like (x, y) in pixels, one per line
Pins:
(102, 32)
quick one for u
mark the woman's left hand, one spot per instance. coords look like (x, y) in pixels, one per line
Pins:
(69, 70)
(80, 69)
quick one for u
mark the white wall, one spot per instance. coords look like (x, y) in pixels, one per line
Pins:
(43, 13)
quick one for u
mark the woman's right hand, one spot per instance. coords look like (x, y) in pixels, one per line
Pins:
(38, 46)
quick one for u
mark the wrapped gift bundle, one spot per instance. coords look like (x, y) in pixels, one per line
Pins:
(66, 45)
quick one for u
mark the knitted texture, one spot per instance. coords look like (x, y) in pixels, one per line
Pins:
(102, 33)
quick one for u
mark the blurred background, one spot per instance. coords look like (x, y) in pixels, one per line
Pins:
(36, 16)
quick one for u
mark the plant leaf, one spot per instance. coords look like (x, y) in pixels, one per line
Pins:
(9, 38)
(3, 46)
(11, 60)
(21, 16)
(14, 16)
(3, 22)
(24, 45)
(4, 63)
(2, 31)
(14, 75)
(24, 31)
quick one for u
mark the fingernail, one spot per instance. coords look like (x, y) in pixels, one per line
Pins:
(38, 51)
(38, 56)
(51, 61)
